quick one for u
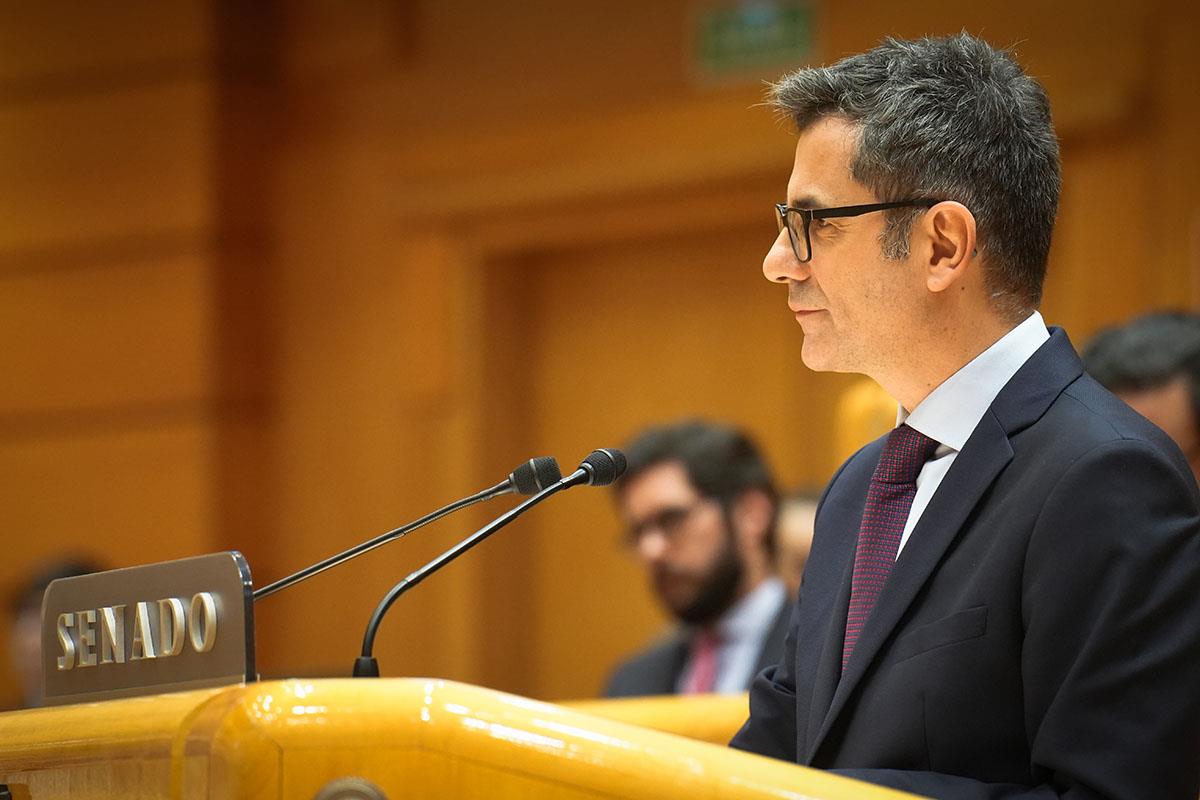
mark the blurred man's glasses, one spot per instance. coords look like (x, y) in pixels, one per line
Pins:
(669, 521)
(798, 220)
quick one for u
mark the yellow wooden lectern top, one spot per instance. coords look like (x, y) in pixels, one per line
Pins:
(708, 717)
(406, 738)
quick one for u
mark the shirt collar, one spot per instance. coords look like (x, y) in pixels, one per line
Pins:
(753, 613)
(952, 411)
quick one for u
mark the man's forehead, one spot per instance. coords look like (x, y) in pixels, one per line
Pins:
(821, 169)
(663, 483)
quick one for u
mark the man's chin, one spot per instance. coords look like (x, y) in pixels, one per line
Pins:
(679, 606)
(819, 358)
(685, 606)
(815, 357)
(700, 609)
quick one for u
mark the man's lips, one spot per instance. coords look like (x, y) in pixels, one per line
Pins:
(673, 587)
(798, 306)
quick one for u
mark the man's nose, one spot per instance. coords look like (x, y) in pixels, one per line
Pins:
(651, 546)
(780, 264)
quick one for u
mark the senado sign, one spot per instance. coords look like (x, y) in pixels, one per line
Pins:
(178, 625)
(160, 630)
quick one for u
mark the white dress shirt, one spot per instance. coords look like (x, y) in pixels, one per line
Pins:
(950, 413)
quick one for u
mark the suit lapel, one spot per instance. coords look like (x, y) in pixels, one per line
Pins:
(829, 667)
(983, 458)
(838, 525)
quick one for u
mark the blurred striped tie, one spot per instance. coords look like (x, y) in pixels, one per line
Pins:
(704, 663)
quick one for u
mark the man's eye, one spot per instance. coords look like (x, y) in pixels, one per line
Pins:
(671, 519)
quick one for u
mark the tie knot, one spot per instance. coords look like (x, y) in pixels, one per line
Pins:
(904, 453)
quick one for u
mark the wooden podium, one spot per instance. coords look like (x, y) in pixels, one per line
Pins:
(356, 739)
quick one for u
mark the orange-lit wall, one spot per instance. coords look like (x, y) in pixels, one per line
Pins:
(281, 277)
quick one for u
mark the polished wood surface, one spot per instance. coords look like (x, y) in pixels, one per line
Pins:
(711, 718)
(410, 738)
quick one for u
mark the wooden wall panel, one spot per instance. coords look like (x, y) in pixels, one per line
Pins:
(107, 304)
(99, 337)
(1173, 117)
(369, 429)
(123, 491)
(65, 48)
(129, 494)
(1099, 273)
(125, 164)
(589, 156)
(434, 67)
(132, 493)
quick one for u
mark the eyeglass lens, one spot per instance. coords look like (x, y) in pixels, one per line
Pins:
(795, 226)
(669, 522)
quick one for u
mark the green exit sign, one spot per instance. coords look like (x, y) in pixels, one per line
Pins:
(740, 38)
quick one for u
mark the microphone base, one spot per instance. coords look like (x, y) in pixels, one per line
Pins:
(366, 667)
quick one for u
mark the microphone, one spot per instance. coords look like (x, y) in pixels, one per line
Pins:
(533, 476)
(600, 468)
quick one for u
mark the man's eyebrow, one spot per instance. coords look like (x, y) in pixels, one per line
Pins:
(807, 201)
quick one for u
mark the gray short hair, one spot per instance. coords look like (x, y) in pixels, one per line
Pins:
(954, 119)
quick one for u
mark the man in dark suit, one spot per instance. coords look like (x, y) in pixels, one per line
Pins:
(1001, 598)
(700, 506)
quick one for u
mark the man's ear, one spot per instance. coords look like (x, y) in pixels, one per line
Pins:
(751, 517)
(949, 231)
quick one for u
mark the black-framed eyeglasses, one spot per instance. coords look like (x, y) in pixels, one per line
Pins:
(797, 220)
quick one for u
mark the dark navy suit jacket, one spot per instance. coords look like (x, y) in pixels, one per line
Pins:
(1039, 635)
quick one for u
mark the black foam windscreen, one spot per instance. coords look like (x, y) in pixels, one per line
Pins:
(535, 474)
(604, 466)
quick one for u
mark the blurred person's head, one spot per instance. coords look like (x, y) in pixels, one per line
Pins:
(960, 138)
(699, 506)
(793, 537)
(1153, 364)
(25, 649)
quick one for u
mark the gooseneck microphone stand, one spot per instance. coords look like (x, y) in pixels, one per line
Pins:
(600, 468)
(530, 477)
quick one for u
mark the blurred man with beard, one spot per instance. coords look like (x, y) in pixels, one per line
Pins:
(699, 506)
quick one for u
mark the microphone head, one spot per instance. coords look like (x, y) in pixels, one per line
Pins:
(603, 466)
(535, 475)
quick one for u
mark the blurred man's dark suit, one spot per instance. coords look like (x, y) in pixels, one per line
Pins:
(656, 670)
(1039, 635)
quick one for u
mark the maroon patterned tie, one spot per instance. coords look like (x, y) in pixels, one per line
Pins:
(889, 499)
